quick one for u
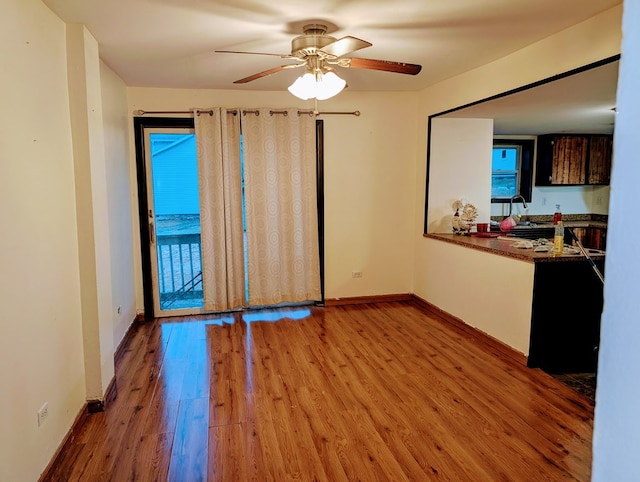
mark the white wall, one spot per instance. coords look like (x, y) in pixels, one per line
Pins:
(41, 356)
(369, 169)
(572, 200)
(460, 169)
(616, 441)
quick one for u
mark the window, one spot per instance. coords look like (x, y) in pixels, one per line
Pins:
(511, 169)
(505, 171)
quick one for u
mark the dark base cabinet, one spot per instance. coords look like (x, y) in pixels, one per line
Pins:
(565, 321)
(591, 237)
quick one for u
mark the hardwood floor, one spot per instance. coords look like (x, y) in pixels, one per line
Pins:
(380, 392)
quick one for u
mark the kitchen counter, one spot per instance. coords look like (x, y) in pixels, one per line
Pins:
(550, 305)
(504, 247)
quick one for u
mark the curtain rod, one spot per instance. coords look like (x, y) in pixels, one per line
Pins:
(234, 112)
(300, 112)
(143, 112)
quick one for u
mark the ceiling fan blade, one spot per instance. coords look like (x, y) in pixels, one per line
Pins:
(385, 65)
(344, 46)
(268, 72)
(282, 56)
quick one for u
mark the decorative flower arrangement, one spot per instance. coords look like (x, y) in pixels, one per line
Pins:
(462, 221)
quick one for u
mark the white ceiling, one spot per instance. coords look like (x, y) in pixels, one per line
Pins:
(171, 43)
(580, 103)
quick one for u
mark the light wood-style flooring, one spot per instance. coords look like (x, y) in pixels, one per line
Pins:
(378, 392)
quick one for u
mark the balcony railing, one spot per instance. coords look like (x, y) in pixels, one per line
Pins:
(179, 271)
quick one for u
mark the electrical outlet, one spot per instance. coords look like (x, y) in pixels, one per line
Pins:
(43, 413)
(544, 201)
(356, 274)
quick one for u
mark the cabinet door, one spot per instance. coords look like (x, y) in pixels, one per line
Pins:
(565, 317)
(594, 238)
(597, 238)
(569, 162)
(600, 150)
(561, 159)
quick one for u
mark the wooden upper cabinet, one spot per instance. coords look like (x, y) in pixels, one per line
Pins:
(573, 159)
(569, 163)
(600, 151)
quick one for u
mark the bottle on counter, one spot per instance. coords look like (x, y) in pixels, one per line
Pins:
(557, 216)
(558, 239)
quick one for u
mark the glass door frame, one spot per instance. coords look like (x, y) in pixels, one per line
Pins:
(155, 245)
(141, 124)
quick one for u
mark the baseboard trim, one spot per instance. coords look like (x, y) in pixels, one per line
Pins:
(77, 424)
(358, 300)
(99, 405)
(124, 343)
(488, 342)
(93, 406)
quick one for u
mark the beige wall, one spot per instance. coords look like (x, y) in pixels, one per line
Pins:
(369, 185)
(590, 41)
(458, 285)
(41, 355)
(121, 188)
(374, 186)
(85, 101)
(66, 243)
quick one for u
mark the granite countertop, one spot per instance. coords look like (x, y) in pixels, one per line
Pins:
(504, 247)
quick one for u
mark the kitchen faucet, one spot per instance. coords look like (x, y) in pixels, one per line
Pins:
(513, 198)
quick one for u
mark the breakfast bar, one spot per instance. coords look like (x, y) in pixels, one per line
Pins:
(563, 293)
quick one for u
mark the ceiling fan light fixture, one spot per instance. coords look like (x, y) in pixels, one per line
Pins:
(328, 85)
(304, 86)
(320, 86)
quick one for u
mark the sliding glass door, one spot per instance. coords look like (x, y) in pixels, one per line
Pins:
(195, 217)
(174, 221)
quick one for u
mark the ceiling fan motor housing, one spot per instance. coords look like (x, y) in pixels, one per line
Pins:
(313, 39)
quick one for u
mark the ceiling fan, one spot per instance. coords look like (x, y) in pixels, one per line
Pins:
(319, 54)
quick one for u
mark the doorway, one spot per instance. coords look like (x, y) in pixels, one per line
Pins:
(173, 216)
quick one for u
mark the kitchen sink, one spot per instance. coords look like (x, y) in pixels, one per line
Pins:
(531, 231)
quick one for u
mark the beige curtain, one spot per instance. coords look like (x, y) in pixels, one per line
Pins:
(281, 207)
(219, 178)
